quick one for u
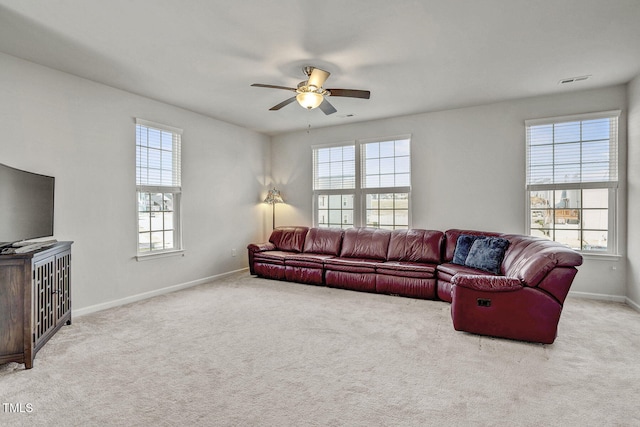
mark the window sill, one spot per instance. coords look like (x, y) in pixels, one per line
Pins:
(601, 257)
(166, 254)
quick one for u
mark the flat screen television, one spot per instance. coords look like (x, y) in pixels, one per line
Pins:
(26, 205)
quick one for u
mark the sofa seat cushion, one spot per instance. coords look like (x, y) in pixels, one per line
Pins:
(352, 265)
(272, 257)
(407, 269)
(307, 260)
(448, 270)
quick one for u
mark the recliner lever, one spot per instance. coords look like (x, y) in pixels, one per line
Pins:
(483, 302)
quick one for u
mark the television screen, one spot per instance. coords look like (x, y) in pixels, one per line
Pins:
(26, 205)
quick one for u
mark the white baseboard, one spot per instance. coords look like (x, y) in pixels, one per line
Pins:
(139, 297)
(601, 297)
(633, 304)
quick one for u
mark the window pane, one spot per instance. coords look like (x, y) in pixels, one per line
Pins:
(387, 149)
(372, 167)
(541, 155)
(570, 238)
(595, 129)
(401, 218)
(595, 241)
(372, 150)
(144, 222)
(157, 240)
(403, 180)
(144, 242)
(387, 165)
(347, 201)
(567, 153)
(597, 219)
(168, 240)
(595, 198)
(168, 220)
(323, 216)
(566, 132)
(541, 134)
(157, 221)
(372, 181)
(402, 165)
(154, 137)
(372, 219)
(336, 154)
(402, 147)
(387, 180)
(401, 200)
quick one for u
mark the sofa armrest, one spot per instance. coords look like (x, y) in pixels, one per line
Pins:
(254, 248)
(261, 247)
(486, 283)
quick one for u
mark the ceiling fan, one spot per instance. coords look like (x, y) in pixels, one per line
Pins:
(311, 94)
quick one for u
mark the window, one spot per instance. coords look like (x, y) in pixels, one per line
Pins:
(365, 183)
(158, 187)
(572, 180)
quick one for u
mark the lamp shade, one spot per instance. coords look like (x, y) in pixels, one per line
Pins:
(273, 197)
(309, 100)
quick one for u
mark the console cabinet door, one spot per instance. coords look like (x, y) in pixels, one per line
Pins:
(44, 298)
(63, 286)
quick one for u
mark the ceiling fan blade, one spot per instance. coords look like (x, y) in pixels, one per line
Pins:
(351, 93)
(273, 86)
(327, 108)
(318, 77)
(283, 104)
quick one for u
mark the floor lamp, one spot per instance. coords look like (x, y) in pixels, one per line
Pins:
(273, 197)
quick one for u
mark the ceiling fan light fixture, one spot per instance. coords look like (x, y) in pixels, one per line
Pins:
(309, 100)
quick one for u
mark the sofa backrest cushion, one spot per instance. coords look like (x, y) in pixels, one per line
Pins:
(415, 245)
(326, 241)
(289, 238)
(371, 243)
(451, 239)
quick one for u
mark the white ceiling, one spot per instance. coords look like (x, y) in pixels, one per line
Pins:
(414, 56)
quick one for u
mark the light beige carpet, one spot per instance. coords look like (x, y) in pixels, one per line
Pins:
(243, 351)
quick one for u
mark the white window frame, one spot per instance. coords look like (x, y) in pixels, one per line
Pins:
(175, 190)
(359, 193)
(612, 185)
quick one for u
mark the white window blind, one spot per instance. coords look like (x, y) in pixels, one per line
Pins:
(581, 153)
(386, 164)
(158, 155)
(334, 168)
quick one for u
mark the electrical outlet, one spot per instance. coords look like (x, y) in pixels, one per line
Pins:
(234, 252)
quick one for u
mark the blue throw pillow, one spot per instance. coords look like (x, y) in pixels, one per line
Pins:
(463, 246)
(487, 254)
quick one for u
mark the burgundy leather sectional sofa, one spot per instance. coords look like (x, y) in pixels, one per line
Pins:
(516, 292)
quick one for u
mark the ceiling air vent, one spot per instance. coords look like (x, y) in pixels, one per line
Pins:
(574, 79)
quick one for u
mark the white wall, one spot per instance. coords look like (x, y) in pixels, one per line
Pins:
(83, 133)
(468, 169)
(633, 167)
